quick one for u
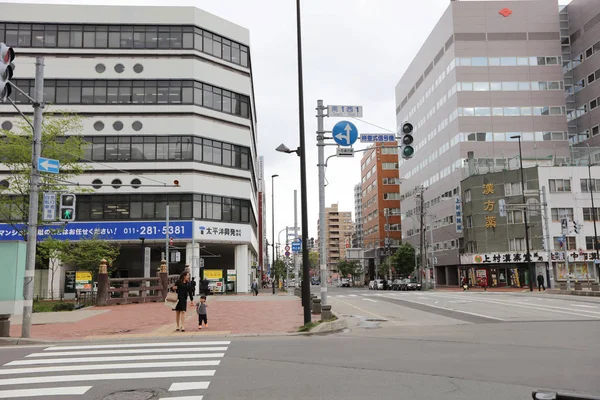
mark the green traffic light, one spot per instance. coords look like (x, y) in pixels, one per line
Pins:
(67, 214)
(408, 151)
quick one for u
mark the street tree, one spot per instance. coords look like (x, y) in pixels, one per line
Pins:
(61, 140)
(52, 251)
(349, 268)
(313, 258)
(403, 260)
(279, 269)
(87, 253)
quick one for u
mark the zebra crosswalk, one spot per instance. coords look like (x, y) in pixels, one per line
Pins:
(183, 369)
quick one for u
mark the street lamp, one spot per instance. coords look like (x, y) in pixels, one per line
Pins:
(273, 222)
(529, 263)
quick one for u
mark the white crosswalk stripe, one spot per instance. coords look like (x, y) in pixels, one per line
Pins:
(72, 372)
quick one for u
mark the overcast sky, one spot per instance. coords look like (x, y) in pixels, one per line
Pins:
(354, 51)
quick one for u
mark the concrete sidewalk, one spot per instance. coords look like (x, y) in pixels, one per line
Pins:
(227, 315)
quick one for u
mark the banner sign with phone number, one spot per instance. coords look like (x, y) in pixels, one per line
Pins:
(104, 230)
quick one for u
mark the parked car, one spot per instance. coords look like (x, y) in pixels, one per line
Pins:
(396, 284)
(378, 284)
(413, 285)
(345, 282)
(315, 281)
(371, 285)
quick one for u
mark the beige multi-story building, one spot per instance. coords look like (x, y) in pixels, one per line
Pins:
(338, 235)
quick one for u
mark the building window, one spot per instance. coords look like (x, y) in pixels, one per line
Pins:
(516, 244)
(514, 217)
(138, 92)
(389, 165)
(389, 150)
(153, 206)
(124, 37)
(468, 196)
(571, 243)
(589, 243)
(390, 181)
(166, 148)
(391, 196)
(469, 221)
(513, 189)
(587, 213)
(559, 185)
(560, 213)
(586, 184)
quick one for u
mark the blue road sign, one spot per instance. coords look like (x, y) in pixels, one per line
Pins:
(296, 246)
(287, 253)
(375, 137)
(345, 133)
(48, 165)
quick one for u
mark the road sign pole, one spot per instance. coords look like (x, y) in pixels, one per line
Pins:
(296, 274)
(32, 224)
(321, 165)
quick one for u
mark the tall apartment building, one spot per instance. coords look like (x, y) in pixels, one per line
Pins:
(165, 94)
(357, 239)
(489, 71)
(580, 39)
(380, 202)
(338, 235)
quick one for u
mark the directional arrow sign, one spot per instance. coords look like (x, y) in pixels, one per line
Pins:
(48, 165)
(296, 246)
(345, 133)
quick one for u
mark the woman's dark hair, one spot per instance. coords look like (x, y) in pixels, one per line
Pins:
(181, 276)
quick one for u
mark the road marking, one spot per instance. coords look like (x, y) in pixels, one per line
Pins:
(362, 309)
(129, 351)
(581, 305)
(135, 345)
(533, 307)
(182, 398)
(106, 377)
(340, 295)
(371, 300)
(179, 386)
(39, 392)
(454, 310)
(353, 295)
(113, 358)
(63, 368)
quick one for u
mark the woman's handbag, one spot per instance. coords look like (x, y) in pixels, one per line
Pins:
(171, 300)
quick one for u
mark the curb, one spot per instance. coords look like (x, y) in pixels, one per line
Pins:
(574, 292)
(10, 341)
(329, 327)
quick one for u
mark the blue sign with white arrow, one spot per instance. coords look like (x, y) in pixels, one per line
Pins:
(48, 165)
(296, 247)
(345, 133)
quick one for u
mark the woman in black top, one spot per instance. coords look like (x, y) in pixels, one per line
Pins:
(184, 289)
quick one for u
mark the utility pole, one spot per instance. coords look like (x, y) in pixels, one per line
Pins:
(594, 216)
(432, 262)
(421, 234)
(321, 165)
(167, 236)
(32, 223)
(547, 238)
(296, 259)
(529, 262)
(387, 239)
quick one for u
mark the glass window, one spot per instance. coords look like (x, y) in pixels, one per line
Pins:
(524, 86)
(511, 111)
(508, 61)
(522, 61)
(481, 86)
(479, 61)
(496, 86)
(510, 86)
(494, 61)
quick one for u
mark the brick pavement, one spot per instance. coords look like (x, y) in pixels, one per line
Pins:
(237, 314)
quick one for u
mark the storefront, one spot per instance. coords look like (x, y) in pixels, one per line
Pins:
(581, 266)
(501, 269)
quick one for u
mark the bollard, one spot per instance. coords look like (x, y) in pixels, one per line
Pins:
(312, 298)
(595, 287)
(326, 313)
(578, 286)
(164, 278)
(316, 306)
(102, 296)
(4, 325)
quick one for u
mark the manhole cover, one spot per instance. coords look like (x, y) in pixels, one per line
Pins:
(142, 394)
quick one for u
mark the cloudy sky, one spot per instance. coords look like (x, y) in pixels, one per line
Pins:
(354, 51)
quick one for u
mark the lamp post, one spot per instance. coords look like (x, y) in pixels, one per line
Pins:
(529, 263)
(591, 188)
(273, 221)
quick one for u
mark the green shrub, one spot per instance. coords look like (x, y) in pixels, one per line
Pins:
(63, 307)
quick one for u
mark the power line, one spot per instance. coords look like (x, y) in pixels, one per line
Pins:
(372, 124)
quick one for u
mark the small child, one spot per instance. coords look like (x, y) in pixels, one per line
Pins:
(201, 310)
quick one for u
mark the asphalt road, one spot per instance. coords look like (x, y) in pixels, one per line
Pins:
(399, 345)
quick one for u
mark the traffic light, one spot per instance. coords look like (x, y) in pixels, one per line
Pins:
(67, 207)
(575, 227)
(406, 142)
(7, 55)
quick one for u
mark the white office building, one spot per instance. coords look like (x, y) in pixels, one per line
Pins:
(166, 94)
